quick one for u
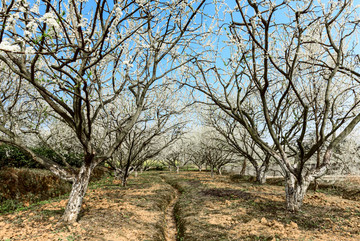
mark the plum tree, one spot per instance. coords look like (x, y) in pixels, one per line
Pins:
(85, 59)
(297, 74)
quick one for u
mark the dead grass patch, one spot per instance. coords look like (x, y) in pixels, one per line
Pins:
(221, 209)
(110, 212)
(207, 209)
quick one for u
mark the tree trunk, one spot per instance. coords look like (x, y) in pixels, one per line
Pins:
(200, 168)
(118, 173)
(261, 172)
(124, 180)
(295, 192)
(261, 175)
(219, 171)
(243, 168)
(212, 172)
(177, 169)
(317, 166)
(78, 191)
(136, 173)
(126, 171)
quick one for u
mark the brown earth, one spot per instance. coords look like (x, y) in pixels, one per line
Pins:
(170, 229)
(110, 212)
(219, 209)
(207, 209)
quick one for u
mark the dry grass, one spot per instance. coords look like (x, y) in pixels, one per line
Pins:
(110, 212)
(350, 188)
(207, 209)
(221, 209)
(21, 187)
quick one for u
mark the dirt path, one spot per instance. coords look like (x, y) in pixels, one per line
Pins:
(170, 228)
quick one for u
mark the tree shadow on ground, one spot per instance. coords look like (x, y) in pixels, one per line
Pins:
(310, 217)
(227, 193)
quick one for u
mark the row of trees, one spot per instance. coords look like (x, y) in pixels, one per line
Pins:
(78, 74)
(107, 78)
(204, 149)
(291, 83)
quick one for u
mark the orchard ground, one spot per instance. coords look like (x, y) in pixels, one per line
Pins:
(205, 208)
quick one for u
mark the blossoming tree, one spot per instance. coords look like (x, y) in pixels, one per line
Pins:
(80, 57)
(298, 73)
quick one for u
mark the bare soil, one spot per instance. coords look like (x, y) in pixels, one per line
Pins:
(170, 228)
(221, 209)
(110, 212)
(205, 209)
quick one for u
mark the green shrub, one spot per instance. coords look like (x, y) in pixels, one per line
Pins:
(9, 205)
(74, 159)
(98, 173)
(11, 156)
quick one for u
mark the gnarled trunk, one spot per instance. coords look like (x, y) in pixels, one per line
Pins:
(261, 175)
(295, 188)
(295, 191)
(78, 191)
(261, 172)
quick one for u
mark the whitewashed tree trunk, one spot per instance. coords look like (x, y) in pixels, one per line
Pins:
(261, 175)
(295, 191)
(78, 191)
(295, 188)
(177, 169)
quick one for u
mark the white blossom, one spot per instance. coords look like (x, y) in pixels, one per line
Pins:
(118, 12)
(7, 46)
(83, 23)
(31, 26)
(50, 19)
(35, 8)
(141, 2)
(127, 63)
(29, 50)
